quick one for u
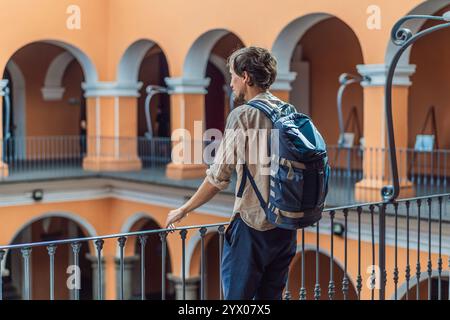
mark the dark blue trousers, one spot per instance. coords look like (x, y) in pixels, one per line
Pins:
(255, 263)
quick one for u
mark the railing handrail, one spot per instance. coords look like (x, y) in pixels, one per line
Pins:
(109, 236)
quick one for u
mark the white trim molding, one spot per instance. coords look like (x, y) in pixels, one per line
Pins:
(284, 45)
(377, 73)
(89, 70)
(131, 60)
(111, 89)
(188, 85)
(283, 81)
(197, 58)
(53, 89)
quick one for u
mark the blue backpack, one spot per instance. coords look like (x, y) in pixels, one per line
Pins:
(299, 173)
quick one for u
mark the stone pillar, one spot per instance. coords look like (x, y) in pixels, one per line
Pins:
(111, 126)
(128, 266)
(3, 166)
(192, 287)
(187, 112)
(282, 85)
(376, 164)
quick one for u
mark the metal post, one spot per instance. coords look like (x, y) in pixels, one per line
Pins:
(26, 252)
(122, 241)
(51, 252)
(99, 244)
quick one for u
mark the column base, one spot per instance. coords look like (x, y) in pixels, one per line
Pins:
(102, 163)
(3, 170)
(129, 265)
(192, 286)
(369, 190)
(185, 171)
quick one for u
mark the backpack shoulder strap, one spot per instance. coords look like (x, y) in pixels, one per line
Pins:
(255, 187)
(271, 113)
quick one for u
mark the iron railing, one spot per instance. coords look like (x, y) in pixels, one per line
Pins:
(371, 236)
(61, 156)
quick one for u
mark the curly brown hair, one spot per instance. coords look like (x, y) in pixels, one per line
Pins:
(259, 63)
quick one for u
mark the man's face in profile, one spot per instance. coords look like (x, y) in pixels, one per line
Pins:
(237, 85)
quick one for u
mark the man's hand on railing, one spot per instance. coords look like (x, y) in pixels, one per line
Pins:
(205, 192)
(175, 216)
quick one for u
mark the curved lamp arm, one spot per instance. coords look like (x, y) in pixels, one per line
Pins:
(345, 80)
(151, 90)
(7, 131)
(403, 38)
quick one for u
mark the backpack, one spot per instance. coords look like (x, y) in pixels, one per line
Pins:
(299, 173)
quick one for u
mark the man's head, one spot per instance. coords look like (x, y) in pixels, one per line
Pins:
(253, 70)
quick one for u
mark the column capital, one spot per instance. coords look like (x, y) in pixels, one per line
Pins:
(111, 89)
(283, 81)
(378, 73)
(3, 85)
(52, 93)
(188, 85)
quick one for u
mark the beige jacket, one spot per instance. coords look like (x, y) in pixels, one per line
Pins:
(229, 157)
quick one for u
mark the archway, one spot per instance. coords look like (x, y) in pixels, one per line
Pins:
(144, 61)
(54, 72)
(304, 48)
(324, 276)
(207, 59)
(49, 227)
(423, 288)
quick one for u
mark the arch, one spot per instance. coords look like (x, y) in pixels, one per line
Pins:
(130, 62)
(88, 227)
(84, 70)
(89, 70)
(62, 258)
(401, 291)
(324, 265)
(427, 7)
(19, 105)
(305, 68)
(53, 89)
(287, 39)
(194, 66)
(133, 219)
(326, 253)
(132, 222)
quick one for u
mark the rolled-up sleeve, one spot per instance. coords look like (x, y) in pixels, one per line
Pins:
(226, 157)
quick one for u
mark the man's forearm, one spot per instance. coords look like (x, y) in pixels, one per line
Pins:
(205, 192)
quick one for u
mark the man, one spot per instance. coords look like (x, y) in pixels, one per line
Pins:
(256, 254)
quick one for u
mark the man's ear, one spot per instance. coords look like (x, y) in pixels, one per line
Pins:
(246, 77)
